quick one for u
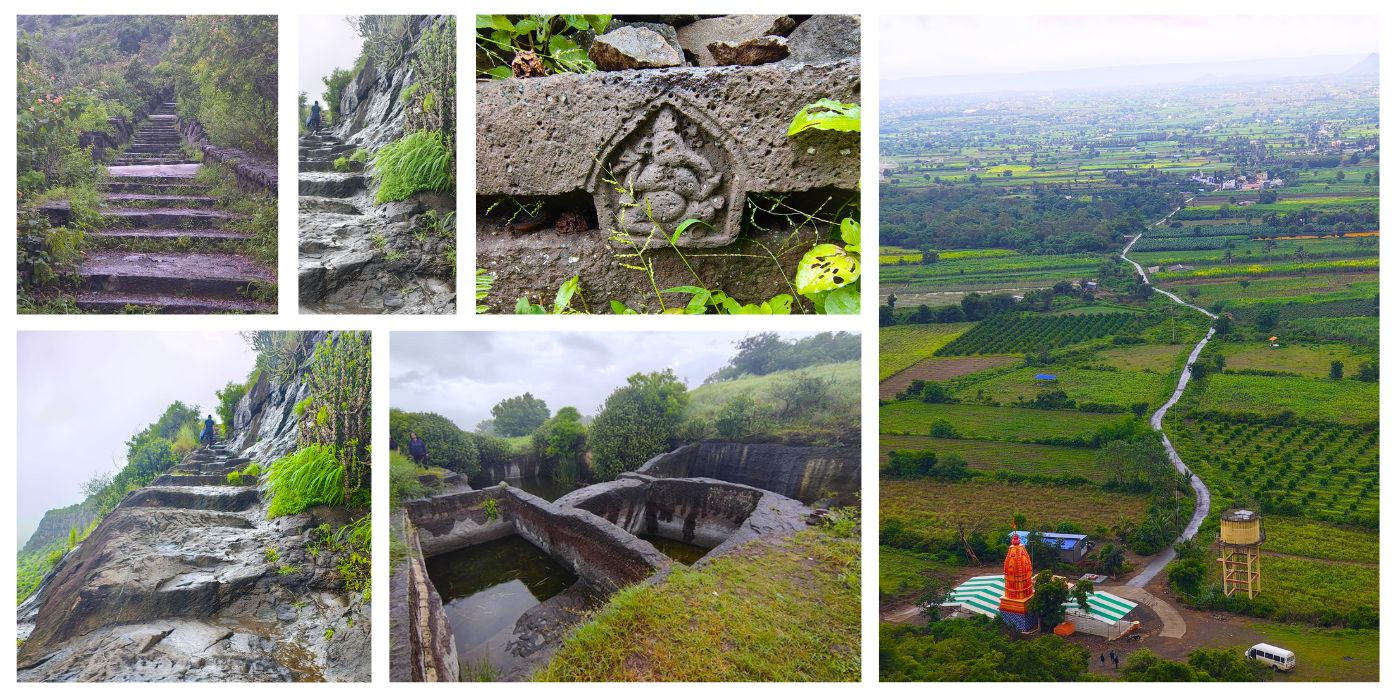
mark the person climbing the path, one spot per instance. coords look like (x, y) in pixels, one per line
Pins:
(207, 437)
(1101, 661)
(417, 450)
(314, 121)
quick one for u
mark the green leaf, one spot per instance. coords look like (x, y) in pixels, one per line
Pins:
(599, 23)
(826, 267)
(675, 236)
(780, 304)
(850, 233)
(524, 307)
(497, 22)
(827, 115)
(565, 294)
(527, 24)
(844, 300)
(621, 308)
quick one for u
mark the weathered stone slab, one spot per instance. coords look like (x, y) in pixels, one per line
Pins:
(697, 36)
(806, 473)
(658, 147)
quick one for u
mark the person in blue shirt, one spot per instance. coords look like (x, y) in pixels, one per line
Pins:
(207, 437)
(314, 122)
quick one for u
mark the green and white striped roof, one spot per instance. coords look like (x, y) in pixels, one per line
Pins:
(982, 594)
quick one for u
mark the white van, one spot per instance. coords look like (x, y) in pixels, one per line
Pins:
(1280, 659)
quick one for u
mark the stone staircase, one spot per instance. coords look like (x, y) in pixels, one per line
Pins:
(165, 246)
(356, 256)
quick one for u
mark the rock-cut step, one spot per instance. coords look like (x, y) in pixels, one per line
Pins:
(190, 480)
(329, 184)
(160, 200)
(228, 499)
(174, 274)
(169, 234)
(166, 217)
(115, 303)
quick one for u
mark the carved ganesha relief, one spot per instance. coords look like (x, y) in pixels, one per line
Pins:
(667, 169)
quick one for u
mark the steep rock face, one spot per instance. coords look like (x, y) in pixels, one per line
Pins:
(55, 526)
(357, 256)
(188, 580)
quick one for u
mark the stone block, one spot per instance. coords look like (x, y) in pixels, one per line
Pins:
(658, 147)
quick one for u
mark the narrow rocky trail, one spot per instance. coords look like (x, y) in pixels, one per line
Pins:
(181, 582)
(356, 256)
(1198, 516)
(165, 245)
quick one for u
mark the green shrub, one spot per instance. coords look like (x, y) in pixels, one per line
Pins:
(448, 446)
(403, 480)
(311, 476)
(418, 162)
(637, 422)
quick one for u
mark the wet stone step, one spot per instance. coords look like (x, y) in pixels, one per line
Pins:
(330, 184)
(229, 499)
(190, 480)
(174, 274)
(163, 200)
(119, 302)
(159, 186)
(153, 173)
(327, 151)
(326, 205)
(170, 217)
(328, 166)
(170, 234)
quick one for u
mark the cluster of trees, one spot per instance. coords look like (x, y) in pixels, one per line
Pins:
(637, 422)
(925, 464)
(1046, 223)
(967, 650)
(766, 353)
(224, 72)
(977, 306)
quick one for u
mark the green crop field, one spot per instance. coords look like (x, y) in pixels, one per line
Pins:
(1341, 401)
(1309, 590)
(1209, 291)
(1164, 358)
(902, 346)
(993, 456)
(1306, 538)
(1326, 472)
(935, 508)
(1012, 333)
(993, 422)
(1019, 385)
(1358, 330)
(1310, 360)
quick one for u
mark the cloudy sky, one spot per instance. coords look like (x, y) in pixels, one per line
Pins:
(977, 45)
(462, 375)
(81, 395)
(326, 43)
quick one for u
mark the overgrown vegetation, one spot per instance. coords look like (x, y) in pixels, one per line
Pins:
(788, 612)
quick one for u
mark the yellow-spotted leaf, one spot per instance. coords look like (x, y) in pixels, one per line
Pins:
(826, 267)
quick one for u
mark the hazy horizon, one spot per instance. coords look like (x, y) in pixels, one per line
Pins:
(327, 42)
(83, 394)
(933, 46)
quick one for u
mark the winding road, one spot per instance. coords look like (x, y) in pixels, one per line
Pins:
(1159, 562)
